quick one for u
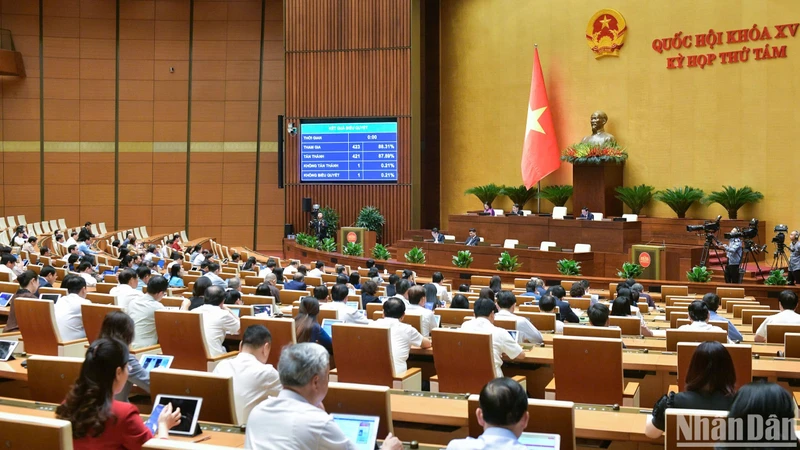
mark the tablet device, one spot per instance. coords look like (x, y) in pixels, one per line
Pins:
(353, 305)
(360, 430)
(25, 262)
(262, 310)
(152, 421)
(150, 361)
(514, 335)
(109, 272)
(383, 298)
(438, 320)
(6, 349)
(542, 441)
(236, 311)
(161, 264)
(52, 297)
(327, 325)
(5, 298)
(190, 411)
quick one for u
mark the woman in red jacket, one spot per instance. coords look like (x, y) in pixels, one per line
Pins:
(99, 421)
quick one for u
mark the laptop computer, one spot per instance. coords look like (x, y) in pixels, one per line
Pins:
(150, 361)
(52, 297)
(360, 430)
(327, 325)
(6, 349)
(542, 441)
(5, 298)
(262, 310)
(353, 305)
(190, 412)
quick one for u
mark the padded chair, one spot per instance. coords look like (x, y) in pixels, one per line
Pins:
(630, 326)
(776, 331)
(372, 308)
(582, 248)
(352, 342)
(545, 246)
(547, 416)
(103, 229)
(31, 432)
(791, 345)
(175, 329)
(453, 316)
(50, 378)
(37, 323)
(598, 217)
(464, 361)
(526, 212)
(449, 237)
(101, 299)
(498, 212)
(93, 316)
(574, 383)
(542, 321)
(510, 243)
(730, 292)
(282, 331)
(361, 399)
(680, 291)
(675, 439)
(742, 356)
(559, 212)
(215, 390)
(590, 331)
(630, 217)
(676, 336)
(289, 296)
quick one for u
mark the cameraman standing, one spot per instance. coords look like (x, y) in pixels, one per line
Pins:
(794, 258)
(734, 252)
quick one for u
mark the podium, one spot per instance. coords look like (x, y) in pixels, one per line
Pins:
(652, 258)
(594, 187)
(358, 235)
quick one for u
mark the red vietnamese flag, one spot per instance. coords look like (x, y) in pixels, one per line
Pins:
(540, 154)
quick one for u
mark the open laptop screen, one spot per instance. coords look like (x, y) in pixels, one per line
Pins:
(361, 430)
(328, 323)
(542, 441)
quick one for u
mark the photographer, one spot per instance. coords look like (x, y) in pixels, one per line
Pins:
(319, 227)
(734, 252)
(794, 258)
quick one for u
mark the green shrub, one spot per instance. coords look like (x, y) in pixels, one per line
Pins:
(353, 249)
(699, 274)
(380, 252)
(568, 267)
(328, 245)
(636, 197)
(630, 270)
(680, 199)
(463, 259)
(732, 199)
(415, 256)
(776, 278)
(507, 263)
(557, 194)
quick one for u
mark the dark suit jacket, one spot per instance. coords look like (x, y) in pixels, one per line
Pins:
(472, 240)
(589, 217)
(294, 285)
(567, 314)
(439, 238)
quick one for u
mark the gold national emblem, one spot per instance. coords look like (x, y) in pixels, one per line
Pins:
(605, 33)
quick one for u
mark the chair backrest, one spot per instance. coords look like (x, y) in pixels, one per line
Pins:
(630, 217)
(670, 310)
(479, 280)
(730, 304)
(105, 288)
(675, 429)
(675, 317)
(506, 324)
(215, 390)
(581, 303)
(738, 308)
(21, 431)
(93, 316)
(37, 323)
(791, 345)
(590, 331)
(675, 336)
(351, 343)
(559, 212)
(464, 361)
(282, 331)
(717, 323)
(175, 329)
(361, 399)
(742, 356)
(748, 314)
(288, 295)
(582, 248)
(510, 243)
(542, 321)
(578, 385)
(775, 331)
(50, 378)
(597, 216)
(372, 308)
(453, 316)
(259, 300)
(545, 246)
(630, 326)
(730, 292)
(103, 299)
(680, 291)
(551, 416)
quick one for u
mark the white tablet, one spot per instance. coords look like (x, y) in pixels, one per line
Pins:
(360, 430)
(262, 310)
(328, 323)
(150, 361)
(52, 297)
(5, 298)
(514, 335)
(190, 412)
(542, 441)
(438, 320)
(6, 349)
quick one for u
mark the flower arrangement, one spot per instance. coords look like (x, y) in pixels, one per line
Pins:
(584, 153)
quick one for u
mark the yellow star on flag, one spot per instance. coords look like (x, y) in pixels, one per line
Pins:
(605, 21)
(533, 120)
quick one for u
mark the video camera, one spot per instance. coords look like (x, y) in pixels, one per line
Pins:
(748, 233)
(708, 226)
(780, 237)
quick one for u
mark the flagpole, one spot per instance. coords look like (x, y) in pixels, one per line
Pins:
(538, 184)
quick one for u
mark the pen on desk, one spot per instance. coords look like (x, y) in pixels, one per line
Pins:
(202, 439)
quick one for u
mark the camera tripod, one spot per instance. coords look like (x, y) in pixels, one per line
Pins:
(710, 244)
(779, 258)
(749, 254)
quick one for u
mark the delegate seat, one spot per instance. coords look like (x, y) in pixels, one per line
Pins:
(546, 416)
(559, 212)
(730, 292)
(177, 328)
(545, 246)
(510, 243)
(739, 308)
(590, 331)
(676, 336)
(742, 356)
(776, 332)
(717, 323)
(630, 326)
(791, 345)
(748, 314)
(597, 217)
(363, 400)
(37, 323)
(282, 331)
(50, 378)
(452, 316)
(31, 432)
(215, 390)
(93, 316)
(542, 321)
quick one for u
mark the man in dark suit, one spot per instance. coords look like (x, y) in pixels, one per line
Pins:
(297, 283)
(438, 238)
(319, 227)
(566, 313)
(515, 211)
(473, 238)
(585, 214)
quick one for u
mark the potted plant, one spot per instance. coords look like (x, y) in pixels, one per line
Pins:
(568, 267)
(306, 240)
(331, 217)
(557, 194)
(630, 270)
(507, 263)
(585, 153)
(520, 195)
(636, 197)
(353, 249)
(328, 245)
(732, 199)
(415, 256)
(371, 218)
(463, 259)
(776, 278)
(486, 193)
(380, 252)
(680, 199)
(699, 274)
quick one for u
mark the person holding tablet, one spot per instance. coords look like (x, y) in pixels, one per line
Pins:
(99, 421)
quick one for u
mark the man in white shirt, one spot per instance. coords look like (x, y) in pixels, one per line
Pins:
(72, 249)
(347, 314)
(296, 419)
(218, 320)
(503, 414)
(547, 304)
(142, 309)
(318, 270)
(271, 264)
(698, 316)
(401, 291)
(126, 290)
(502, 342)
(213, 275)
(507, 302)
(85, 272)
(253, 379)
(787, 316)
(441, 291)
(69, 319)
(416, 307)
(403, 335)
(290, 270)
(7, 262)
(73, 239)
(199, 258)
